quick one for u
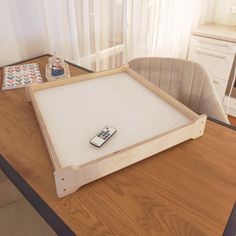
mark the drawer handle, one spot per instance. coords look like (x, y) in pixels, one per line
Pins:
(215, 44)
(210, 54)
(215, 81)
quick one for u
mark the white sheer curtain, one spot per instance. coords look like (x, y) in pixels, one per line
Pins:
(103, 34)
(86, 32)
(163, 27)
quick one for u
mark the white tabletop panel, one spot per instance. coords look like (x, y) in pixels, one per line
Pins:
(75, 113)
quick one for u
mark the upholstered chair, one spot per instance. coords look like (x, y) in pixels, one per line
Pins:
(184, 80)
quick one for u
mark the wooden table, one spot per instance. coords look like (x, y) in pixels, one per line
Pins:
(189, 189)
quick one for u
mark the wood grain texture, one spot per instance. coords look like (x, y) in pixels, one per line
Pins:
(232, 120)
(187, 190)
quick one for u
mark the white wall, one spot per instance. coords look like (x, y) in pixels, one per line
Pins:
(220, 14)
(23, 32)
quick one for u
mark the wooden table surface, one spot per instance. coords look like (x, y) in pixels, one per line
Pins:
(187, 190)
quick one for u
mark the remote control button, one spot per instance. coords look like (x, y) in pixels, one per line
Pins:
(103, 136)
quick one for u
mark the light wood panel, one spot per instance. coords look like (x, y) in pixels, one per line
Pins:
(67, 145)
(187, 190)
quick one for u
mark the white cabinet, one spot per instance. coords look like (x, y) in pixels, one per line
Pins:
(217, 64)
(216, 56)
(213, 44)
(220, 86)
(230, 103)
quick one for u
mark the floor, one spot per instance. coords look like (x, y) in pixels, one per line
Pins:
(17, 216)
(232, 120)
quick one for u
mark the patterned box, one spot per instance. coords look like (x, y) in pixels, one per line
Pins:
(20, 75)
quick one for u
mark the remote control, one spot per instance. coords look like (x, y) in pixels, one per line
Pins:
(103, 136)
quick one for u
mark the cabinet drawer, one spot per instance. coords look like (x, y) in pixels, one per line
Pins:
(220, 86)
(213, 44)
(217, 64)
(232, 102)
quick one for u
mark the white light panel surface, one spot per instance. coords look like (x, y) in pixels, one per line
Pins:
(75, 113)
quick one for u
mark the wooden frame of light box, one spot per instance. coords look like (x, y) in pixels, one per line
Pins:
(69, 179)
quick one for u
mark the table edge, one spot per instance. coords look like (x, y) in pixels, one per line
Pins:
(49, 55)
(53, 220)
(229, 126)
(230, 228)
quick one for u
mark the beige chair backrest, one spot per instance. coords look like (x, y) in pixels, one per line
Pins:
(184, 80)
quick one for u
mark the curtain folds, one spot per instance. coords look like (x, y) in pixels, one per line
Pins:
(86, 32)
(164, 26)
(103, 34)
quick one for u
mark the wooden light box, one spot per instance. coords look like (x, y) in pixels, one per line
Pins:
(72, 111)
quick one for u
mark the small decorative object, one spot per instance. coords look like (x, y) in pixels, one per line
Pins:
(20, 75)
(56, 68)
